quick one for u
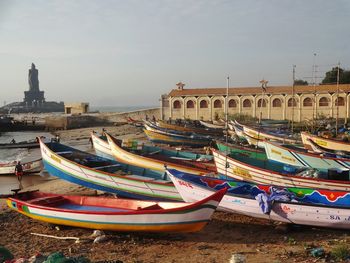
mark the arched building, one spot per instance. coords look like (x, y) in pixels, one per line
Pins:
(275, 103)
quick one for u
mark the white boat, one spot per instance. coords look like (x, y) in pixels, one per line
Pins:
(281, 211)
(29, 166)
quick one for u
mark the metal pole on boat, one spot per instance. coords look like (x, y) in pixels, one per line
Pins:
(293, 98)
(226, 122)
(337, 100)
(314, 109)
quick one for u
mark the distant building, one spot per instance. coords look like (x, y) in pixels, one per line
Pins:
(273, 103)
(76, 108)
(34, 100)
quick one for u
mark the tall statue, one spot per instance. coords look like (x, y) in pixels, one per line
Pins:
(33, 79)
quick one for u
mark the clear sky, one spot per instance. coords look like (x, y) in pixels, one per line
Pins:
(128, 52)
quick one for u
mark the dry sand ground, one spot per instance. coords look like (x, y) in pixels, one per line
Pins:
(226, 234)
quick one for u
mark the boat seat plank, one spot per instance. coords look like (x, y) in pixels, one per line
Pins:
(134, 176)
(182, 158)
(107, 166)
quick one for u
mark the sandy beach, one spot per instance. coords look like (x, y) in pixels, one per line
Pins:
(227, 234)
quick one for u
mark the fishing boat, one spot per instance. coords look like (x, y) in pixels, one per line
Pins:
(296, 156)
(237, 130)
(157, 158)
(101, 145)
(197, 130)
(248, 151)
(301, 213)
(175, 139)
(273, 173)
(212, 125)
(106, 175)
(261, 134)
(306, 195)
(23, 144)
(116, 214)
(28, 165)
(330, 144)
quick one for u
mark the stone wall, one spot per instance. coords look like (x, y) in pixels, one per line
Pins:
(63, 122)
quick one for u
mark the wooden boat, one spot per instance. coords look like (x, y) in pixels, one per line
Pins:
(236, 129)
(175, 139)
(264, 135)
(101, 145)
(324, 142)
(23, 144)
(116, 214)
(305, 195)
(300, 213)
(273, 173)
(156, 158)
(296, 156)
(328, 152)
(212, 125)
(29, 166)
(249, 152)
(106, 175)
(259, 143)
(205, 131)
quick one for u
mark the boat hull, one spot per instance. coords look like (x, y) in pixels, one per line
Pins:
(302, 214)
(324, 143)
(179, 217)
(298, 158)
(247, 172)
(127, 186)
(125, 156)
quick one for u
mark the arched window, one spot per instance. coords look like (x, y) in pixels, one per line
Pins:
(276, 103)
(247, 103)
(190, 104)
(341, 101)
(217, 104)
(323, 102)
(203, 104)
(232, 103)
(263, 103)
(307, 102)
(177, 104)
(292, 102)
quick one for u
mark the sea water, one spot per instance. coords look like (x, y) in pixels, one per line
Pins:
(8, 155)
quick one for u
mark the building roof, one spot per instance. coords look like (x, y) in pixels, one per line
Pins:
(258, 90)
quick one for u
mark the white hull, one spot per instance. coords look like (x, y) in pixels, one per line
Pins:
(295, 213)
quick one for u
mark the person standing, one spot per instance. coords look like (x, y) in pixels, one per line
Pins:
(19, 171)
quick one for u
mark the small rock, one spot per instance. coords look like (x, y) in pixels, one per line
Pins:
(317, 252)
(57, 228)
(97, 233)
(100, 239)
(237, 258)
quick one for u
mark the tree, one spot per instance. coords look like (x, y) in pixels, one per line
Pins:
(331, 76)
(300, 82)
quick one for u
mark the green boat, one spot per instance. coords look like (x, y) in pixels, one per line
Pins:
(246, 151)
